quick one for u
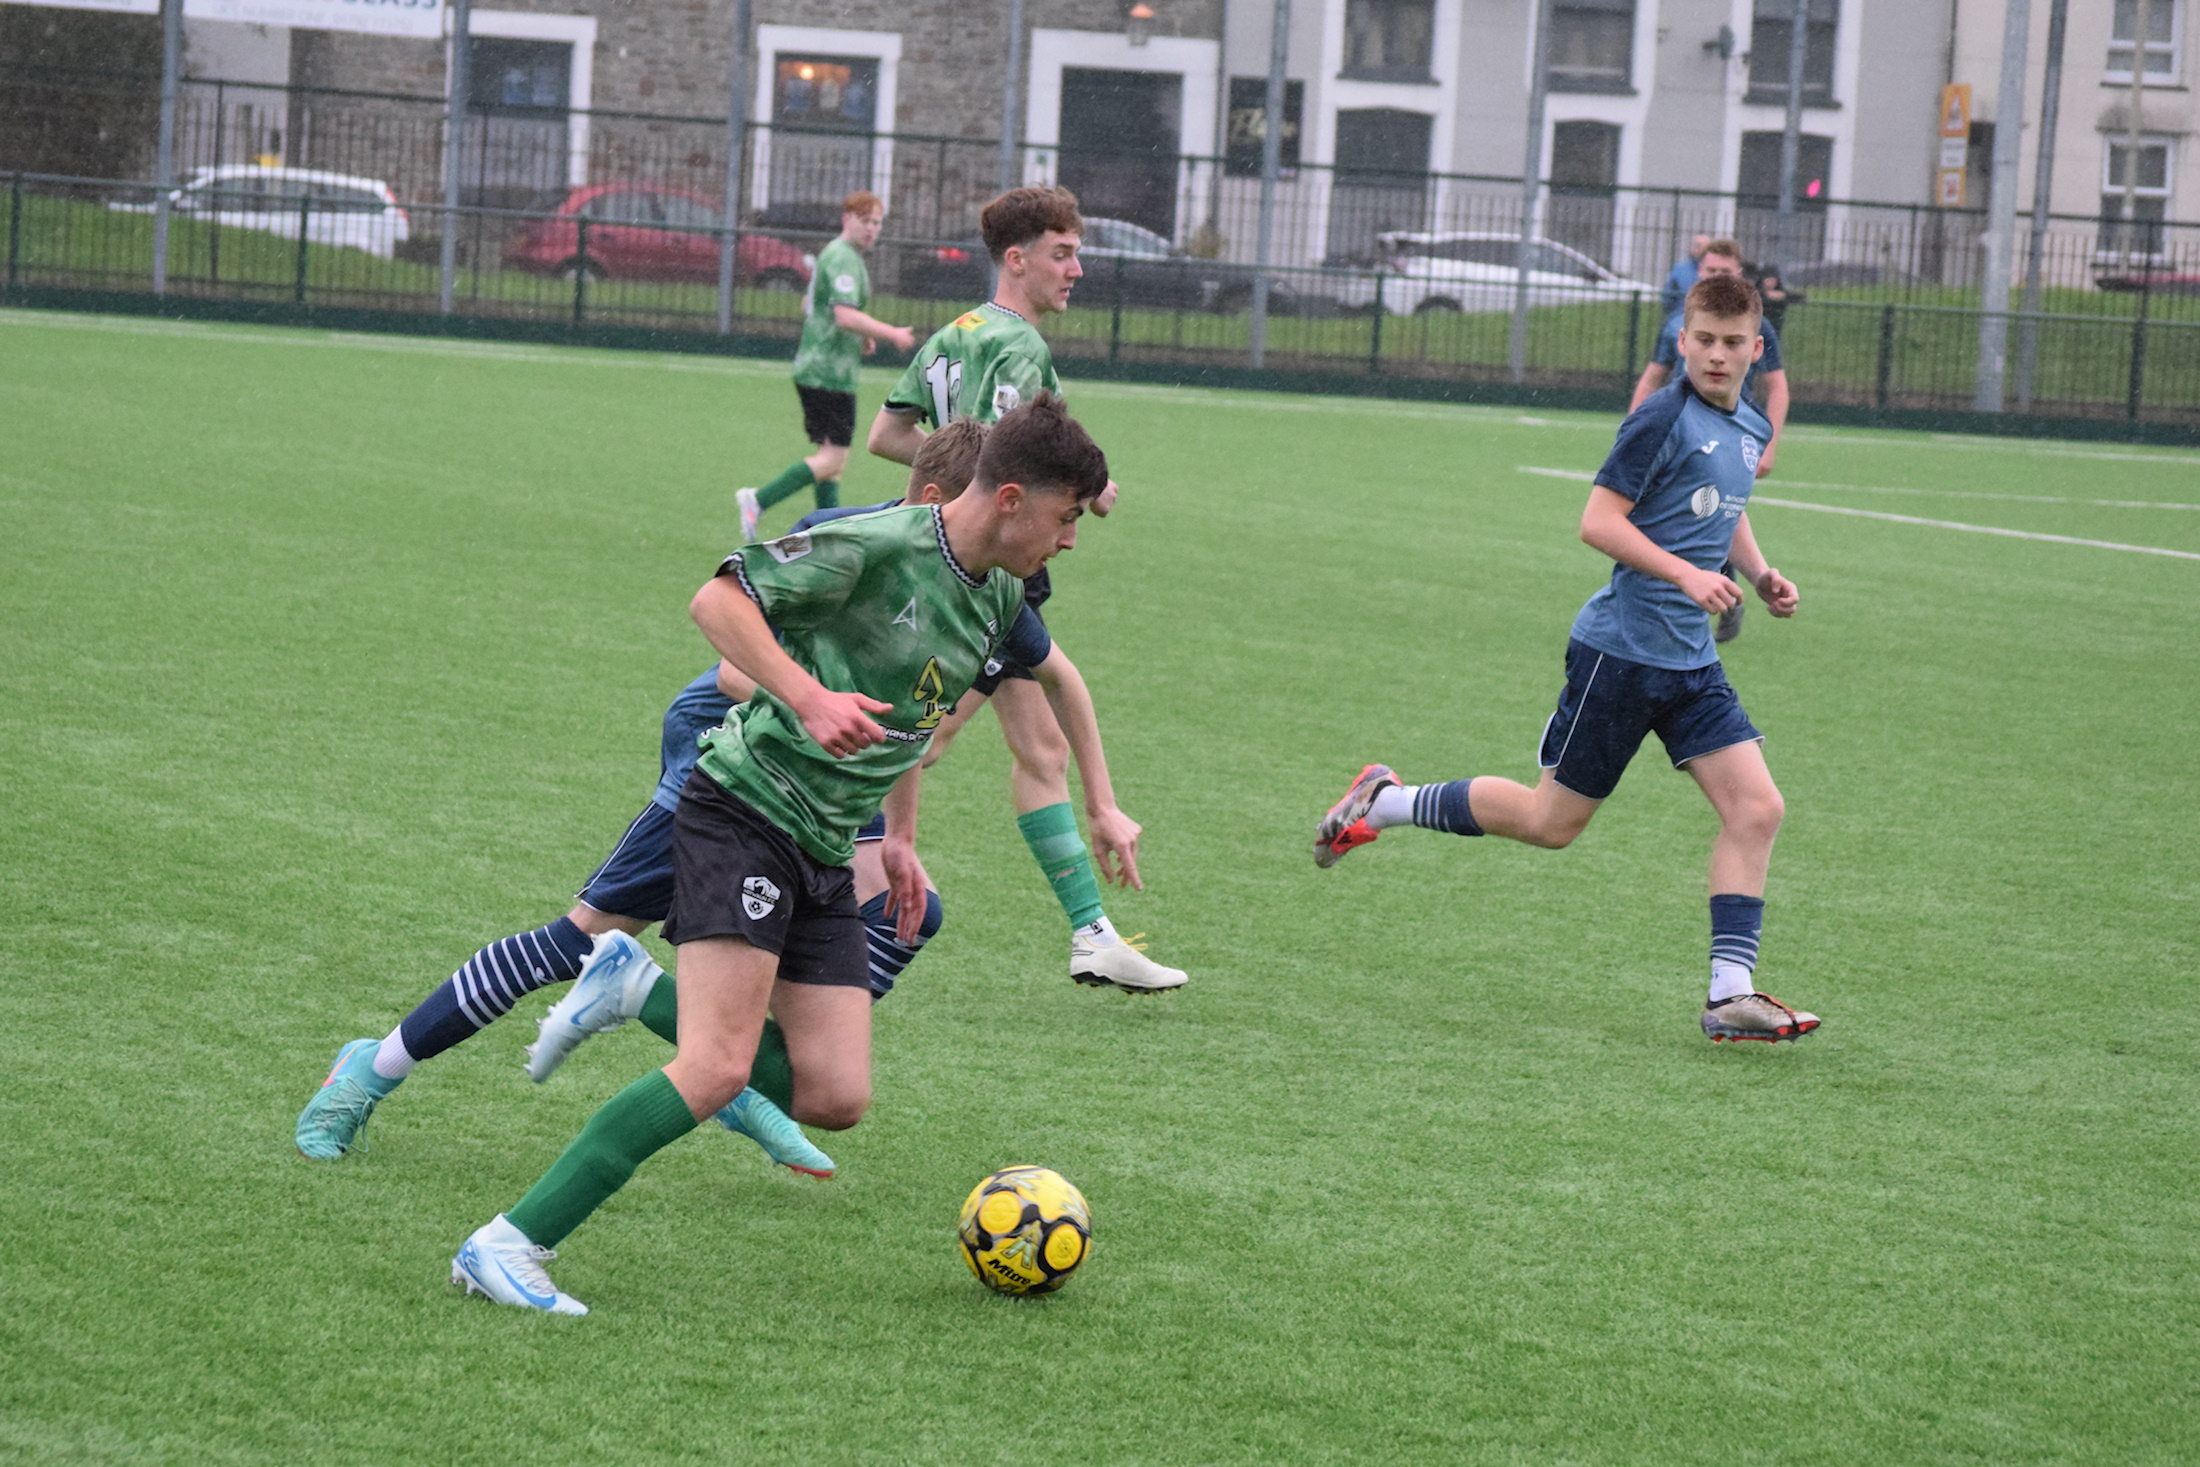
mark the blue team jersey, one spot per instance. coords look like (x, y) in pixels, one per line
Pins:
(1689, 468)
(1677, 284)
(1667, 353)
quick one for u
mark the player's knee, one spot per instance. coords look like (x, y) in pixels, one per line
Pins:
(709, 1080)
(934, 916)
(835, 1110)
(1044, 756)
(1758, 817)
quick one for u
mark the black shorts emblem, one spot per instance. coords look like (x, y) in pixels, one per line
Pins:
(758, 897)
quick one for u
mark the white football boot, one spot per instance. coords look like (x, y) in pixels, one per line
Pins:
(613, 985)
(498, 1260)
(1122, 963)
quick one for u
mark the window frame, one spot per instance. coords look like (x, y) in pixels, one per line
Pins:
(1621, 84)
(1422, 73)
(1773, 93)
(2173, 47)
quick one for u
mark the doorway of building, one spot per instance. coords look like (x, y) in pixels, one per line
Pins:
(1584, 182)
(1381, 179)
(521, 93)
(1119, 144)
(1757, 212)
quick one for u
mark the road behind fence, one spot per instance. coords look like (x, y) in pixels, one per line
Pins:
(612, 219)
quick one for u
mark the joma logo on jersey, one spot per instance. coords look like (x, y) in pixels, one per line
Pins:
(930, 691)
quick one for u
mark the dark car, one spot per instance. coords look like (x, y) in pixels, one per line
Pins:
(639, 233)
(1118, 256)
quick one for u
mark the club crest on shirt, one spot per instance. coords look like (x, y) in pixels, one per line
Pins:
(1750, 452)
(788, 547)
(1006, 398)
(1704, 503)
(758, 896)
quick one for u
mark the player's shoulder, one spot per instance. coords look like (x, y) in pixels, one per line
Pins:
(1660, 414)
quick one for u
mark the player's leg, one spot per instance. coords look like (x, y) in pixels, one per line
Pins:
(728, 985)
(593, 943)
(1740, 787)
(1039, 784)
(823, 413)
(826, 466)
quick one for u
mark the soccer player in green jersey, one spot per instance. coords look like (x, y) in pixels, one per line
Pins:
(980, 365)
(836, 336)
(886, 618)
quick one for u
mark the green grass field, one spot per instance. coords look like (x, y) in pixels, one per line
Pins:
(328, 659)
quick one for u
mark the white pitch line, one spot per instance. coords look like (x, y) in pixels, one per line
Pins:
(1578, 477)
(1989, 494)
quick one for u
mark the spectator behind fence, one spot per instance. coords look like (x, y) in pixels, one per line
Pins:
(1683, 275)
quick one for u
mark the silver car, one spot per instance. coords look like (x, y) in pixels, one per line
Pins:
(338, 209)
(1479, 272)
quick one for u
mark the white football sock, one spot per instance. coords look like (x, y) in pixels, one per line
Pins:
(1101, 933)
(392, 1061)
(1392, 806)
(1731, 980)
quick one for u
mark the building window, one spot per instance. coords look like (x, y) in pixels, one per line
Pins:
(837, 92)
(1592, 45)
(1770, 37)
(1389, 40)
(520, 78)
(1248, 128)
(2139, 232)
(2161, 42)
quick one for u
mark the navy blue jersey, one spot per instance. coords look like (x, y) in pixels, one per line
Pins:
(1689, 468)
(699, 708)
(1677, 284)
(1667, 353)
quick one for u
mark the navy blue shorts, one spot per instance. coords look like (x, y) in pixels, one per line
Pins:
(635, 880)
(1609, 705)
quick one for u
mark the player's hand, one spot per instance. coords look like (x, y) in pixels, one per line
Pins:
(1106, 501)
(1115, 846)
(870, 345)
(903, 338)
(1777, 592)
(838, 722)
(1710, 590)
(1764, 459)
(906, 885)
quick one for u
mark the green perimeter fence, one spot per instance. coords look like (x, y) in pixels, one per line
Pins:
(296, 247)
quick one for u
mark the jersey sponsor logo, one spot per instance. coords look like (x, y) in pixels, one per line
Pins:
(788, 548)
(1704, 503)
(758, 896)
(1714, 443)
(931, 690)
(1005, 398)
(970, 322)
(845, 284)
(907, 616)
(1750, 453)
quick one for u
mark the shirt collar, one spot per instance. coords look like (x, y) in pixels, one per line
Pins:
(947, 552)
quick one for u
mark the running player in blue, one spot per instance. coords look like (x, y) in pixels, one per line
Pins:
(1670, 506)
(594, 943)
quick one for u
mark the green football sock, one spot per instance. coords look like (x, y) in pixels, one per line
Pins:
(661, 1010)
(1052, 835)
(626, 1130)
(771, 1073)
(828, 494)
(789, 482)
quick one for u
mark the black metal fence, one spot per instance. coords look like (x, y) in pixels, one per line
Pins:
(613, 218)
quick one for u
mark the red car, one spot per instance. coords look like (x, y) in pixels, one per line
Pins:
(640, 233)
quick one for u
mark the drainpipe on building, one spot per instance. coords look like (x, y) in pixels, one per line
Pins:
(737, 119)
(454, 156)
(171, 57)
(2001, 211)
(1791, 133)
(1531, 185)
(2043, 190)
(1271, 163)
(2140, 23)
(1007, 173)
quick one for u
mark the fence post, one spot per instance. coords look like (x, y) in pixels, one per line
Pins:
(2139, 346)
(15, 230)
(1375, 346)
(580, 273)
(1634, 334)
(305, 222)
(1886, 357)
(1115, 320)
(214, 221)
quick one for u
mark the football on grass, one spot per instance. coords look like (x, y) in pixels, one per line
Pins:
(1025, 1230)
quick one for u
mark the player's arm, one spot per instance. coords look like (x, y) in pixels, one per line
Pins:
(1776, 413)
(848, 318)
(1653, 377)
(735, 625)
(1605, 525)
(735, 683)
(1114, 834)
(1775, 590)
(906, 882)
(896, 434)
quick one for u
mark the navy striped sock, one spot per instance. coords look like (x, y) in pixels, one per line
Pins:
(889, 955)
(1444, 807)
(1736, 924)
(486, 986)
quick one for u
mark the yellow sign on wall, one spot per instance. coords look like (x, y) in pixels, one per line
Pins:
(1955, 143)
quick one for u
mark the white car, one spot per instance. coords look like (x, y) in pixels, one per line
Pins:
(1480, 272)
(339, 209)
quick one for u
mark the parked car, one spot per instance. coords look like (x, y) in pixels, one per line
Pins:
(339, 209)
(1422, 273)
(1116, 255)
(642, 233)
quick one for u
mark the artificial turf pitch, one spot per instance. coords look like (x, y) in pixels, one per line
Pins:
(328, 659)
